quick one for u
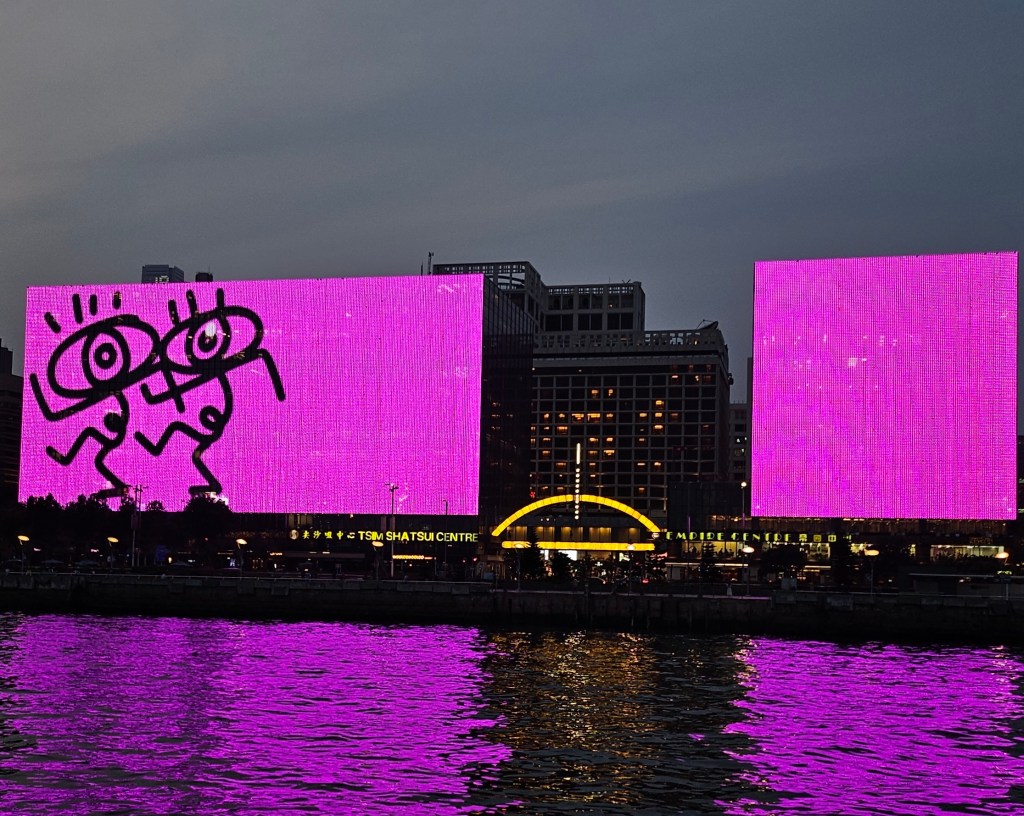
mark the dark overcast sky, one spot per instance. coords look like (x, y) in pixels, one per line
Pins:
(673, 143)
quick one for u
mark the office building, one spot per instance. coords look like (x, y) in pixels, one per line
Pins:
(162, 273)
(644, 408)
(10, 426)
(739, 442)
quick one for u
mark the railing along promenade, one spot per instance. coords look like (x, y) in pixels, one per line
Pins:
(694, 609)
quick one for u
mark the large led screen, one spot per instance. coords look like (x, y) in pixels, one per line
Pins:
(300, 396)
(885, 387)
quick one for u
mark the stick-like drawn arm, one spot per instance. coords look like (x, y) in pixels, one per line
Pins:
(49, 413)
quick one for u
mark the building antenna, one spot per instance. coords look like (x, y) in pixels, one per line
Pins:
(430, 263)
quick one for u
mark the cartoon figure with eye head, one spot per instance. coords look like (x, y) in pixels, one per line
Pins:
(196, 351)
(96, 363)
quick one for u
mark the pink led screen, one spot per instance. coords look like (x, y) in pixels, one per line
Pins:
(885, 387)
(281, 396)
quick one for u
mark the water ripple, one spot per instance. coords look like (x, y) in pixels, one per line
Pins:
(165, 716)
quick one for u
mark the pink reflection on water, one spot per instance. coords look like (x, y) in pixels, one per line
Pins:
(176, 716)
(859, 730)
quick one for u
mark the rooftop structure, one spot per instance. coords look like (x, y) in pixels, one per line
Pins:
(162, 273)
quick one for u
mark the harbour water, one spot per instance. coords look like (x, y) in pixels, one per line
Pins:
(172, 716)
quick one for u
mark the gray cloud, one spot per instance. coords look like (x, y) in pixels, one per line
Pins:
(673, 143)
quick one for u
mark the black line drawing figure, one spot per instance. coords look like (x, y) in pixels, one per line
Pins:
(109, 370)
(206, 339)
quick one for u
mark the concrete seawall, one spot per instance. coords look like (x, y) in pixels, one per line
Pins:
(926, 618)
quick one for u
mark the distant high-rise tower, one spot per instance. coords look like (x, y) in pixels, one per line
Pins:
(10, 427)
(162, 273)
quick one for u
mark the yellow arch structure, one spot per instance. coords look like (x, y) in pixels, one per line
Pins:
(567, 499)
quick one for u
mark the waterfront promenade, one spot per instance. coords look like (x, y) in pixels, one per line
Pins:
(827, 615)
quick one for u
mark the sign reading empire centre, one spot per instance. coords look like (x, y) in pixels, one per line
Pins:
(286, 396)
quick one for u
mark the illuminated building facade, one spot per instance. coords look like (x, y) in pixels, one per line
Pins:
(873, 398)
(646, 408)
(336, 406)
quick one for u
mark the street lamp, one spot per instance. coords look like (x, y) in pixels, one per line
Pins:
(743, 504)
(377, 547)
(444, 549)
(392, 487)
(136, 521)
(519, 547)
(22, 540)
(112, 540)
(872, 555)
(1004, 559)
(241, 542)
(748, 551)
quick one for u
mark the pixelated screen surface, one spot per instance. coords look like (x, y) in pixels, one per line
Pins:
(296, 396)
(885, 387)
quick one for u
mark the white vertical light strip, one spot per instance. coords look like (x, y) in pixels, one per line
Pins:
(576, 485)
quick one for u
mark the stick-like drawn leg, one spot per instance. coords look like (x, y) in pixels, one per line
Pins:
(76, 446)
(212, 484)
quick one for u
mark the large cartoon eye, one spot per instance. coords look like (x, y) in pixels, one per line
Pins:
(103, 356)
(106, 356)
(209, 341)
(207, 338)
